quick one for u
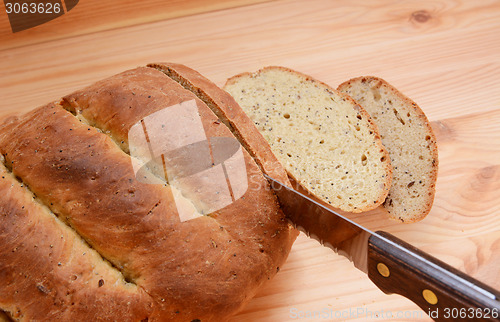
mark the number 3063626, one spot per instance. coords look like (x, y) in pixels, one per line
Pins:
(455, 313)
(25, 7)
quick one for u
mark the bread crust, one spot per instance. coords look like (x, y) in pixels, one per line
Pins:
(61, 277)
(372, 125)
(206, 268)
(226, 108)
(432, 141)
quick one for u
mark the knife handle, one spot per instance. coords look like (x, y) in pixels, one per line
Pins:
(443, 292)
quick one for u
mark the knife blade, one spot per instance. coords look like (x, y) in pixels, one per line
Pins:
(393, 265)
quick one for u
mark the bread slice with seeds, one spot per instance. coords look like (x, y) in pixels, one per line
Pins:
(326, 141)
(408, 136)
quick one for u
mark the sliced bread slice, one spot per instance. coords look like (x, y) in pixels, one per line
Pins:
(230, 113)
(408, 136)
(325, 140)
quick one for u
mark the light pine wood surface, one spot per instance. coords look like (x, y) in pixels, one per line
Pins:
(444, 54)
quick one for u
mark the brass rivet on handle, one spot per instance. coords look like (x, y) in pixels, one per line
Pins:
(383, 270)
(429, 296)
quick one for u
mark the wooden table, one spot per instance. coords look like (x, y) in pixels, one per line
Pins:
(444, 54)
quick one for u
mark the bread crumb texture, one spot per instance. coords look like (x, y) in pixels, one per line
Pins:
(408, 136)
(325, 140)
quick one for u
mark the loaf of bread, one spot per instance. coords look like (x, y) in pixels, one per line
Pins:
(408, 136)
(91, 231)
(325, 140)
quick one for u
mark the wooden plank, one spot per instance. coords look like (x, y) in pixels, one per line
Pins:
(328, 283)
(444, 54)
(90, 16)
(331, 50)
(465, 215)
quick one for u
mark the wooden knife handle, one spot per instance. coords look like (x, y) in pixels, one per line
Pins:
(443, 292)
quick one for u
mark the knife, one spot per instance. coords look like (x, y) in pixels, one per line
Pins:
(393, 265)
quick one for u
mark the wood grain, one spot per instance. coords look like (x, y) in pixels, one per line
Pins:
(444, 54)
(455, 231)
(91, 16)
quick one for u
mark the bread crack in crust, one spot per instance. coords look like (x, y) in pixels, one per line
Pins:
(55, 265)
(85, 207)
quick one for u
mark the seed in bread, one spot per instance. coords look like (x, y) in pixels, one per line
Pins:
(326, 141)
(408, 137)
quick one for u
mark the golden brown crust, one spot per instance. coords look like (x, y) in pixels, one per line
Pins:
(205, 268)
(432, 141)
(60, 275)
(362, 111)
(226, 108)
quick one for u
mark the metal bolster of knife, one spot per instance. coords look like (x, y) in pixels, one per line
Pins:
(398, 267)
